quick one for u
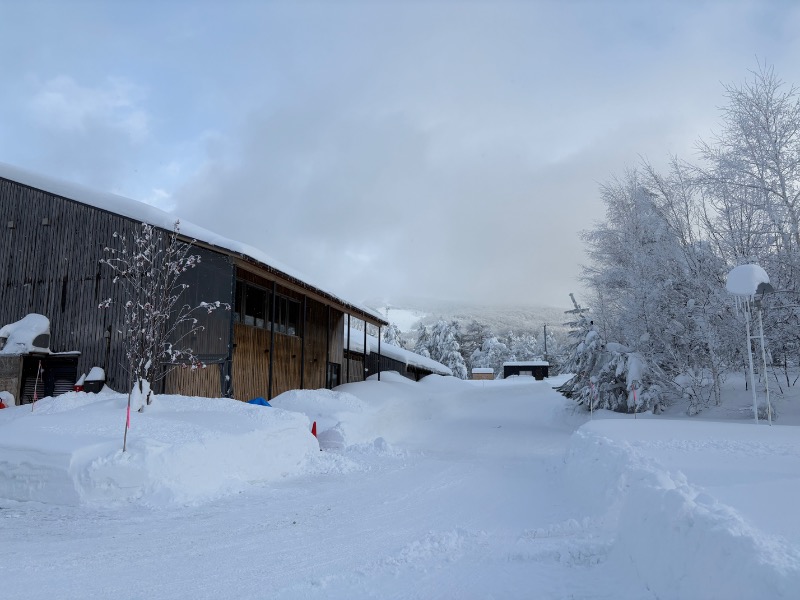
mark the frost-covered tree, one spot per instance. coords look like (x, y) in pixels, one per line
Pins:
(392, 335)
(472, 339)
(525, 346)
(423, 343)
(492, 354)
(607, 375)
(660, 284)
(444, 347)
(148, 266)
(585, 359)
(750, 182)
(659, 259)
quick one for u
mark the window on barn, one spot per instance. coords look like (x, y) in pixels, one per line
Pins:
(293, 322)
(332, 376)
(253, 307)
(287, 316)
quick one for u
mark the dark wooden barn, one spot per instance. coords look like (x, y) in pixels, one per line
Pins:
(282, 332)
(535, 368)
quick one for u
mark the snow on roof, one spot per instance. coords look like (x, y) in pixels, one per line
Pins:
(19, 337)
(142, 212)
(745, 279)
(483, 370)
(400, 354)
(526, 363)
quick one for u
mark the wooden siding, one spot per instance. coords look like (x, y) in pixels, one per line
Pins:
(482, 376)
(286, 364)
(356, 368)
(195, 382)
(316, 345)
(54, 270)
(250, 362)
(252, 350)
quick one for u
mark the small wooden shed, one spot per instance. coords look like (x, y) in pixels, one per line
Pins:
(483, 373)
(534, 368)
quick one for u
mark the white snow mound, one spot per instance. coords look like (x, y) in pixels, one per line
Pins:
(180, 450)
(675, 537)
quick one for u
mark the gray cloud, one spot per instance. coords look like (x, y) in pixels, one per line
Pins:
(446, 149)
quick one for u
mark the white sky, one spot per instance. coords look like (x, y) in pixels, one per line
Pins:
(449, 150)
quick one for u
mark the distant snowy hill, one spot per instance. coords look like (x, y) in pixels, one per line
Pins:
(408, 313)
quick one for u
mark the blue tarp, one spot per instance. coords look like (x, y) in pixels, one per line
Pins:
(260, 401)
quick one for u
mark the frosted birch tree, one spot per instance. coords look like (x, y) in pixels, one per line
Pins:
(148, 265)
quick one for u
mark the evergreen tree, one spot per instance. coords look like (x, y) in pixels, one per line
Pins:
(472, 339)
(525, 346)
(492, 354)
(393, 336)
(422, 346)
(444, 347)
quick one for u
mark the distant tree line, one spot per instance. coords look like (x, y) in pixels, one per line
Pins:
(475, 346)
(662, 325)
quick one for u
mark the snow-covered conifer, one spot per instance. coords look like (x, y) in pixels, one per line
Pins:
(393, 336)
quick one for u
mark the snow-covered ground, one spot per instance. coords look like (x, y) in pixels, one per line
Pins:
(436, 489)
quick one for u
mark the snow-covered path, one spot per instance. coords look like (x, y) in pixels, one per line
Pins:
(436, 489)
(469, 506)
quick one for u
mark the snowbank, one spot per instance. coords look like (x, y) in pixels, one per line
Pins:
(382, 413)
(681, 509)
(181, 450)
(673, 535)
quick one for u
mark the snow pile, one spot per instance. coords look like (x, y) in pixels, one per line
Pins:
(181, 450)
(96, 374)
(339, 416)
(29, 334)
(671, 532)
(381, 414)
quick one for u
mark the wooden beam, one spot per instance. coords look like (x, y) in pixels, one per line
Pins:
(295, 285)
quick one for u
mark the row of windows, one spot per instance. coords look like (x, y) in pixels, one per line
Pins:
(253, 306)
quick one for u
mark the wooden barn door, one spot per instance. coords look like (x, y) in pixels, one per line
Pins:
(250, 362)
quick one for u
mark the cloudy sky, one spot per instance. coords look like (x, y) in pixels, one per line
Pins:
(447, 150)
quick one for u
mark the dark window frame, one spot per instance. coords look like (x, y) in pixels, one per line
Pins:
(287, 310)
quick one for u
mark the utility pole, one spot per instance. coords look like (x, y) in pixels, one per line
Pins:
(545, 343)
(577, 310)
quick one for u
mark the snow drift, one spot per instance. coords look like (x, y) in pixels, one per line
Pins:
(674, 536)
(181, 450)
